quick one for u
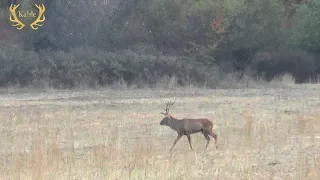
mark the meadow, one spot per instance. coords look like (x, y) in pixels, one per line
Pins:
(115, 134)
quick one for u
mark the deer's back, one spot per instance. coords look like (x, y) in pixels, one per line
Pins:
(196, 125)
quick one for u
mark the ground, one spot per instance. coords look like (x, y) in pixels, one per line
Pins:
(112, 134)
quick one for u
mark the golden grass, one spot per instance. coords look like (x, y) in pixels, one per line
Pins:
(263, 134)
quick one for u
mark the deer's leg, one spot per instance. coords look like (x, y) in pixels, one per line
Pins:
(189, 139)
(179, 136)
(207, 138)
(214, 136)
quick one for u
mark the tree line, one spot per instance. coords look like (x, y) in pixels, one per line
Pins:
(141, 42)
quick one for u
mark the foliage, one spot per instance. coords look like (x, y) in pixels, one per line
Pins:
(99, 42)
(91, 67)
(306, 32)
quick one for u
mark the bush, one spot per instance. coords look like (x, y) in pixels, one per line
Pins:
(18, 67)
(86, 66)
(299, 63)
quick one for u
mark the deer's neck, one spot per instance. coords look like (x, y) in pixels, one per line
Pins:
(174, 123)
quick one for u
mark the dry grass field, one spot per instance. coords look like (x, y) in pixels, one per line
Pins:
(105, 134)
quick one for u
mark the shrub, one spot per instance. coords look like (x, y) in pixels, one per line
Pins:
(86, 66)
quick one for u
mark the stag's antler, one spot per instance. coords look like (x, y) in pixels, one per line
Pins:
(14, 18)
(168, 105)
(41, 8)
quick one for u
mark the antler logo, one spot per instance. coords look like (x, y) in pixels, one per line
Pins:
(14, 18)
(38, 22)
(39, 19)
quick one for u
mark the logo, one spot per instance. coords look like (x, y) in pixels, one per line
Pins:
(15, 18)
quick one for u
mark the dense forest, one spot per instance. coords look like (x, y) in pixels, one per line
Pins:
(95, 43)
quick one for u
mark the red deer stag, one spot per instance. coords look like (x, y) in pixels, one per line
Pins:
(188, 126)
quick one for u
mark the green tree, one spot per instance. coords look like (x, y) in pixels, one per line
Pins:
(307, 24)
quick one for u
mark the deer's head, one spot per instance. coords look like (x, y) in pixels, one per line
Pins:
(167, 116)
(165, 120)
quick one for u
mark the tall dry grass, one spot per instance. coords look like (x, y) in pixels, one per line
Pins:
(105, 135)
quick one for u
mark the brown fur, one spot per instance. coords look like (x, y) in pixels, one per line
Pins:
(189, 126)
